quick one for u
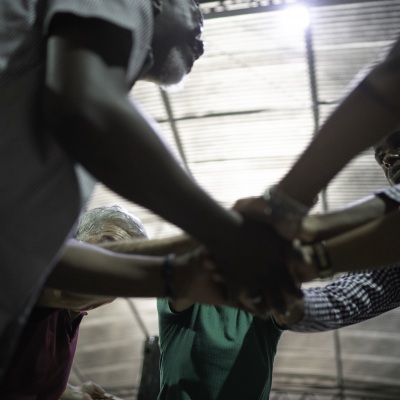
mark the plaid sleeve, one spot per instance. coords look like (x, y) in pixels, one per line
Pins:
(351, 299)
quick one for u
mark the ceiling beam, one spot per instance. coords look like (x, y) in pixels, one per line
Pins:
(228, 8)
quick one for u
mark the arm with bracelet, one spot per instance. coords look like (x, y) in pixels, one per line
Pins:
(124, 269)
(356, 249)
(322, 226)
(356, 296)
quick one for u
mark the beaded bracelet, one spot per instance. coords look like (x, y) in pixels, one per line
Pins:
(282, 207)
(167, 274)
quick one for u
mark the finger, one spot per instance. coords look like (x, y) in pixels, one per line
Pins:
(92, 388)
(209, 265)
(242, 203)
(217, 277)
(255, 301)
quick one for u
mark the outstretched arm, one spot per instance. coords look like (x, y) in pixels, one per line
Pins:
(324, 226)
(176, 244)
(198, 280)
(101, 272)
(89, 112)
(349, 300)
(365, 116)
(369, 246)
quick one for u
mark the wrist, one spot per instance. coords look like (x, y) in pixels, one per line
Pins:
(306, 270)
(322, 260)
(284, 213)
(182, 278)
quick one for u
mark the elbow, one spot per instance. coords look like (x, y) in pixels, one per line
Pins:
(76, 120)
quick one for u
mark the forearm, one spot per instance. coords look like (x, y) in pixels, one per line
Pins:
(177, 244)
(349, 300)
(126, 152)
(91, 270)
(55, 298)
(372, 245)
(323, 226)
(359, 122)
(88, 269)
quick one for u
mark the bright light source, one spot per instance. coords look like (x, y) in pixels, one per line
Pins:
(295, 18)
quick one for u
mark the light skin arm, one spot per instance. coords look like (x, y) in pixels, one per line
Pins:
(177, 245)
(355, 250)
(104, 273)
(323, 226)
(54, 298)
(351, 251)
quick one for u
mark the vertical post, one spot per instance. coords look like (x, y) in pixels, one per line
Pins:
(316, 116)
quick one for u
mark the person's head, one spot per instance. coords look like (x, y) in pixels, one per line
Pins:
(109, 223)
(176, 41)
(387, 155)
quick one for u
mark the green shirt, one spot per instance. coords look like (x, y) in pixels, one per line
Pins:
(212, 353)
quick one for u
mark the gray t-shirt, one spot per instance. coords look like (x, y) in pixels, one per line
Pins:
(39, 192)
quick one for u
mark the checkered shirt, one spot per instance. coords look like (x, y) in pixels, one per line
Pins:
(353, 298)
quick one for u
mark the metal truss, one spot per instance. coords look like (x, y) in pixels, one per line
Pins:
(225, 8)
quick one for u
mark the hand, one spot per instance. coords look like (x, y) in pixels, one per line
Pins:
(256, 208)
(317, 227)
(292, 315)
(255, 269)
(88, 391)
(195, 283)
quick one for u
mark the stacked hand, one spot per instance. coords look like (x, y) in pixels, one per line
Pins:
(251, 273)
(265, 266)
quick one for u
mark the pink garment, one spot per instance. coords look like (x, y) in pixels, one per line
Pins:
(42, 363)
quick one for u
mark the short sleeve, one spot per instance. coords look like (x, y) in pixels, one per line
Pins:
(133, 15)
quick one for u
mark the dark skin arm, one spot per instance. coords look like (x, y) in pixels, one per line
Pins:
(359, 122)
(177, 245)
(88, 108)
